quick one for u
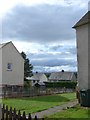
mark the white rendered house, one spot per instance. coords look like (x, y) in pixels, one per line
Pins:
(83, 57)
(83, 50)
(11, 66)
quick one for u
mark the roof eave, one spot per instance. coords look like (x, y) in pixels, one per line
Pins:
(84, 20)
(75, 26)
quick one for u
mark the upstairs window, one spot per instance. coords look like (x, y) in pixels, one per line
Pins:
(9, 66)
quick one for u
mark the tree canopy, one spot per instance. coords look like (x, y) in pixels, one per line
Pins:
(28, 67)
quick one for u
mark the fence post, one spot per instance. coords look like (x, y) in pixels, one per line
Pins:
(35, 117)
(10, 114)
(14, 114)
(19, 115)
(29, 117)
(3, 109)
(24, 116)
(6, 112)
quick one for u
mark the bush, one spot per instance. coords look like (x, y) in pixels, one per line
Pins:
(68, 84)
(27, 84)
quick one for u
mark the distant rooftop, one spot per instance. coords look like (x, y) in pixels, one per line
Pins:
(61, 76)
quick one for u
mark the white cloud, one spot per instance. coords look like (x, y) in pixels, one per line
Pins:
(6, 5)
(27, 47)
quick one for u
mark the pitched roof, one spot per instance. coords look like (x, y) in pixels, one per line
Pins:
(84, 20)
(4, 44)
(38, 76)
(0, 45)
(61, 76)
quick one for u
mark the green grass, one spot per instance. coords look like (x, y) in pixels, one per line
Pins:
(35, 104)
(75, 112)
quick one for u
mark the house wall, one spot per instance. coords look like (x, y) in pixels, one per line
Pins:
(0, 66)
(0, 112)
(0, 72)
(82, 55)
(43, 78)
(16, 75)
(89, 55)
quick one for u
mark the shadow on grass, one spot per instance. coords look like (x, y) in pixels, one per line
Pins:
(50, 98)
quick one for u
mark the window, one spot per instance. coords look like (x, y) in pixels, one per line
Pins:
(9, 66)
(33, 81)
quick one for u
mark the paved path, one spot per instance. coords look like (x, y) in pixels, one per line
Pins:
(55, 109)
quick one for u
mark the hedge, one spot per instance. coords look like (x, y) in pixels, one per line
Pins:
(61, 84)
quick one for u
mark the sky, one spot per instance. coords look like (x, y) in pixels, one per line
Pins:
(43, 30)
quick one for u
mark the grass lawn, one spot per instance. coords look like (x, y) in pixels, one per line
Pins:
(35, 104)
(75, 112)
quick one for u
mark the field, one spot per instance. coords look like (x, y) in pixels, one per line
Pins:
(36, 104)
(75, 112)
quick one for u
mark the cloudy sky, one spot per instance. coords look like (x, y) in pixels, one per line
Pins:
(43, 30)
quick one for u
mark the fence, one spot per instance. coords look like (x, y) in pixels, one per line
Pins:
(32, 91)
(9, 114)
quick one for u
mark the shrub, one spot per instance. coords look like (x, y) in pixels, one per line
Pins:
(61, 84)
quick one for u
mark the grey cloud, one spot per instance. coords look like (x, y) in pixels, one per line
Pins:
(45, 59)
(72, 50)
(63, 55)
(63, 49)
(54, 62)
(89, 5)
(52, 69)
(56, 57)
(43, 23)
(56, 47)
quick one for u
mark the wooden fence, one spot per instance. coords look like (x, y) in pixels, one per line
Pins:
(30, 92)
(9, 114)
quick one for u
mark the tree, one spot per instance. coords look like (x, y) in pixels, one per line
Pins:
(62, 70)
(28, 67)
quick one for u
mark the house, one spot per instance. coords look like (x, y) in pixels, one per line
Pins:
(0, 111)
(83, 53)
(37, 78)
(11, 66)
(83, 50)
(62, 76)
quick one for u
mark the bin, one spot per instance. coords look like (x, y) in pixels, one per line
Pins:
(85, 98)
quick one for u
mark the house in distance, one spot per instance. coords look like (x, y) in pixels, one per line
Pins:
(11, 66)
(62, 76)
(37, 79)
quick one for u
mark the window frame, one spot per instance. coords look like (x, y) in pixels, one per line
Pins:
(9, 66)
